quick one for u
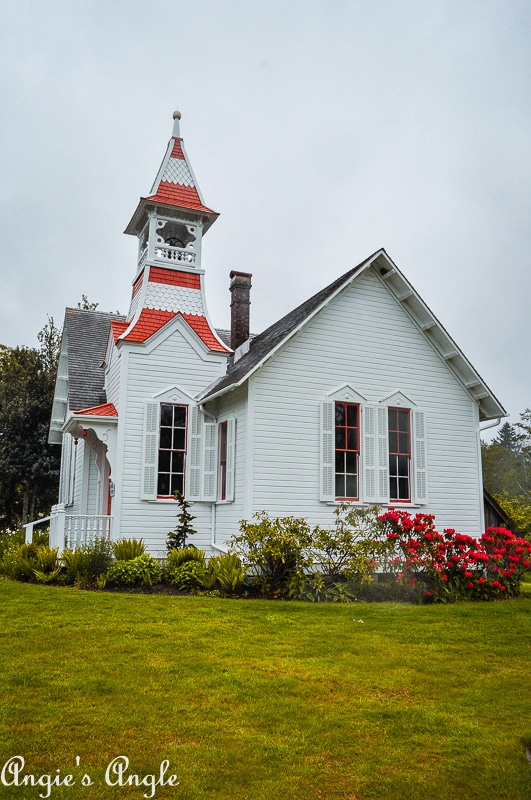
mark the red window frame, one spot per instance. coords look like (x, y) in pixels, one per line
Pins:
(399, 434)
(223, 435)
(173, 437)
(347, 451)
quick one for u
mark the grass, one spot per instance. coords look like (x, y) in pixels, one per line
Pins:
(265, 699)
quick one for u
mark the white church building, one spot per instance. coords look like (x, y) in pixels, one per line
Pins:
(358, 394)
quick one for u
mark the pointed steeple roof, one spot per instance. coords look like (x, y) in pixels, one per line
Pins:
(175, 185)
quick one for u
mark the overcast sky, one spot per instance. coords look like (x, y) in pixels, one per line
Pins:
(320, 131)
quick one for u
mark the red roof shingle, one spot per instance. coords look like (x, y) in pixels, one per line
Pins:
(118, 327)
(175, 194)
(151, 320)
(177, 151)
(105, 410)
(172, 277)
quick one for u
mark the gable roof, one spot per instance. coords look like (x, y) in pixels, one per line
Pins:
(265, 345)
(87, 334)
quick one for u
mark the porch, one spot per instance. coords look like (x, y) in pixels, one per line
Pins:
(68, 531)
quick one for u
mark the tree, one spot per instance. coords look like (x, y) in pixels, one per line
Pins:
(86, 305)
(508, 437)
(29, 466)
(176, 540)
(507, 471)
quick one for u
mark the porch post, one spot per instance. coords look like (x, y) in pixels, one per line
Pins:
(57, 527)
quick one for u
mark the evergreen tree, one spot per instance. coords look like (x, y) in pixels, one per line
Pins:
(176, 540)
(508, 438)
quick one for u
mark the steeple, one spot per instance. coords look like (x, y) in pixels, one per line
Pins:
(170, 223)
(172, 219)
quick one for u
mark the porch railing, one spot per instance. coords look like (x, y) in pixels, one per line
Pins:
(73, 530)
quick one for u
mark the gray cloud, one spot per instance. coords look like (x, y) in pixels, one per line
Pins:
(320, 130)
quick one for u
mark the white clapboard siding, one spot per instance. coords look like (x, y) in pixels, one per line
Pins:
(366, 339)
(173, 363)
(112, 378)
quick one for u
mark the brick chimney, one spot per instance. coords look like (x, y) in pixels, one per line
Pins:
(240, 288)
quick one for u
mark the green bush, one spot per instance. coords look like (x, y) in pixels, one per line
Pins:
(10, 540)
(230, 572)
(48, 567)
(127, 549)
(317, 588)
(84, 565)
(175, 558)
(19, 562)
(189, 575)
(349, 551)
(273, 550)
(210, 577)
(142, 570)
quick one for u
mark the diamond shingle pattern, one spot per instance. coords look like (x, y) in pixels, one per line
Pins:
(177, 171)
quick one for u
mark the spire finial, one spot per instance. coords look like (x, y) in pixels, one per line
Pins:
(176, 118)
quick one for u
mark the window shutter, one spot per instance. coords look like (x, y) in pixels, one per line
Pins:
(231, 445)
(193, 488)
(210, 435)
(149, 463)
(383, 454)
(66, 480)
(327, 451)
(420, 472)
(368, 453)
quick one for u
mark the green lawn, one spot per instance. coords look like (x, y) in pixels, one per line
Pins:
(265, 700)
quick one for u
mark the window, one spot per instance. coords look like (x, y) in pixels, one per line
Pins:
(223, 460)
(172, 449)
(399, 454)
(372, 452)
(347, 451)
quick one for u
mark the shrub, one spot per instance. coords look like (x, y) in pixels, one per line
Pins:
(143, 570)
(189, 575)
(349, 551)
(42, 537)
(127, 549)
(11, 540)
(84, 565)
(48, 567)
(317, 589)
(454, 566)
(273, 550)
(19, 562)
(230, 572)
(210, 578)
(177, 557)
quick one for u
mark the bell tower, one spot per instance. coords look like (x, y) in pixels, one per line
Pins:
(169, 224)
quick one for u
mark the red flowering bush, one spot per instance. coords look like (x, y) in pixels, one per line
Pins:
(450, 566)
